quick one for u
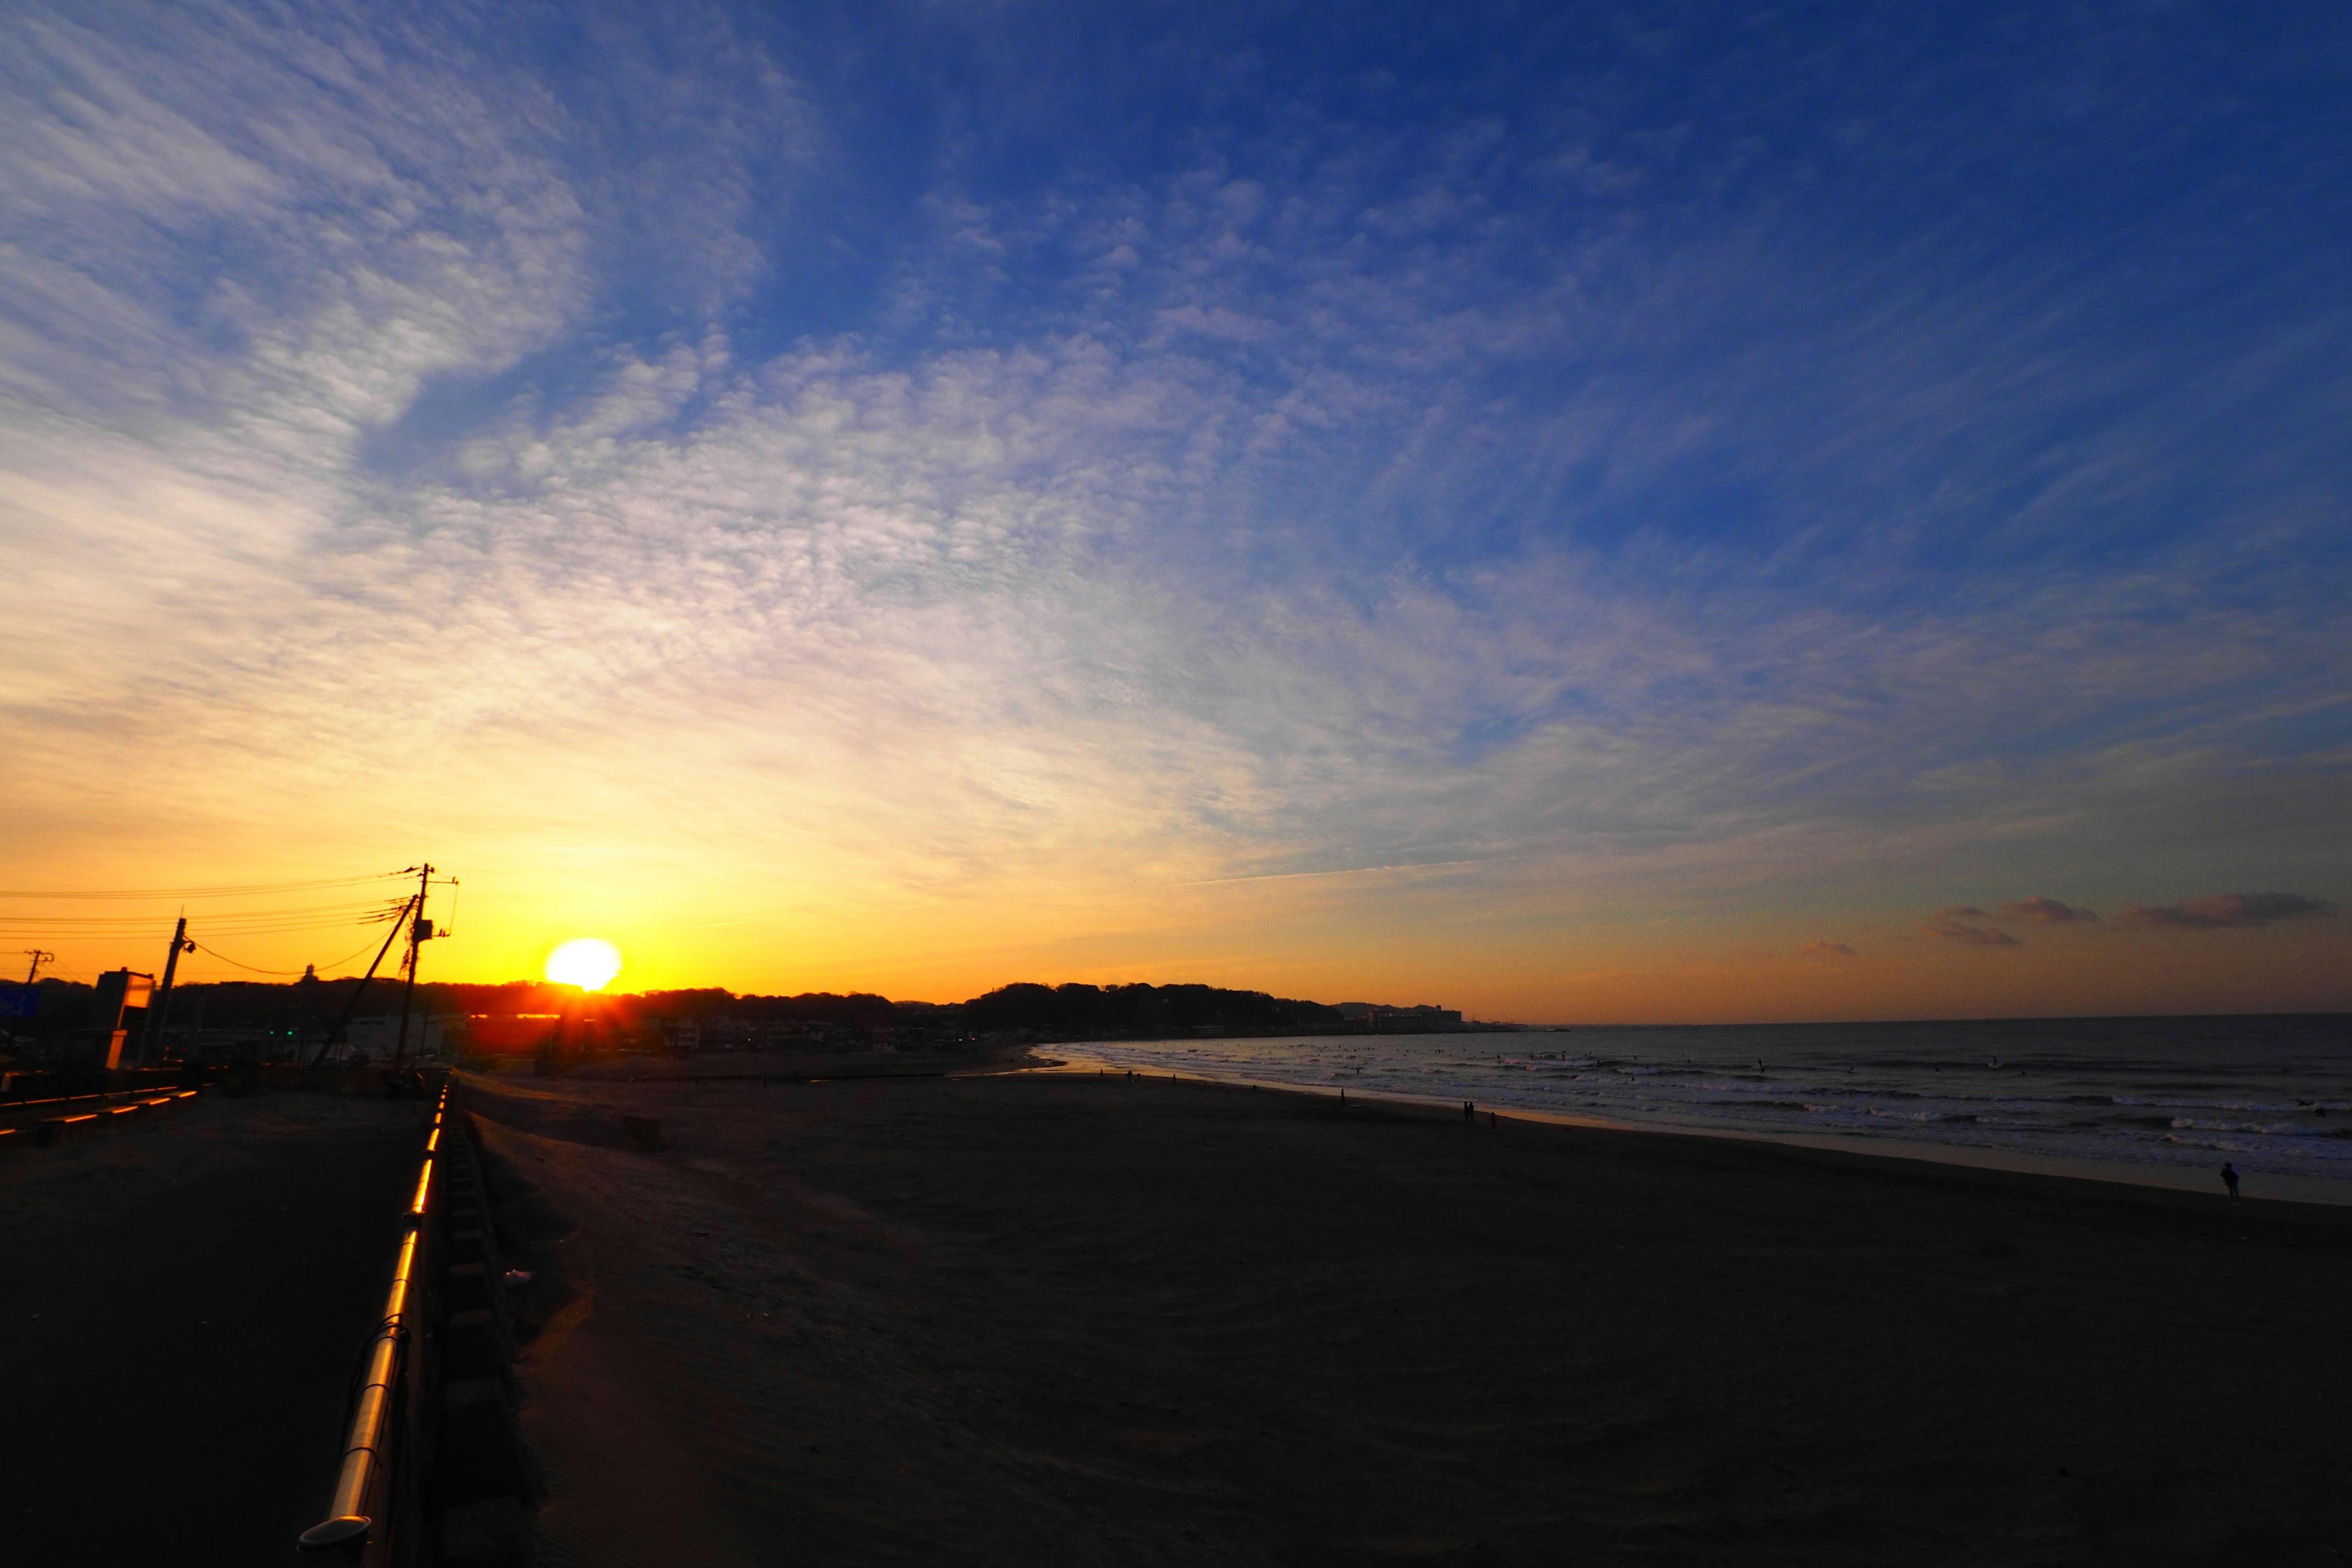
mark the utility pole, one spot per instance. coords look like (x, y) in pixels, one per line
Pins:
(151, 1038)
(29, 1003)
(351, 1004)
(420, 931)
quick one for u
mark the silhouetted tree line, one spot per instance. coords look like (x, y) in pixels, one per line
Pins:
(1079, 1011)
(1068, 1012)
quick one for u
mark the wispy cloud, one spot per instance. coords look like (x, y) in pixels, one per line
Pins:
(1964, 924)
(1826, 950)
(2040, 911)
(1321, 496)
(2222, 912)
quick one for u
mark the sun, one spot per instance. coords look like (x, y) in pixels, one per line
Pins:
(588, 962)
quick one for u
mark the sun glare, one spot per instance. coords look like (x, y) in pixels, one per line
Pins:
(588, 962)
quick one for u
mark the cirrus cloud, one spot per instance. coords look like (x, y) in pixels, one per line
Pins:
(2222, 911)
(1958, 922)
(2046, 911)
(1364, 492)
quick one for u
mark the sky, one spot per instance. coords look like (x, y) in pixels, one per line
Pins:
(1633, 513)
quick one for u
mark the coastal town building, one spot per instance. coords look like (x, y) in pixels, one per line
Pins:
(1380, 1018)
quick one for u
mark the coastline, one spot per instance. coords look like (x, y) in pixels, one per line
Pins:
(2265, 1187)
(977, 1319)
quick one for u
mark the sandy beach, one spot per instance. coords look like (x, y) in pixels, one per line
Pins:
(1088, 1321)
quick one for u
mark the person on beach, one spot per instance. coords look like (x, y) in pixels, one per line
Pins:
(2230, 1179)
(1469, 1110)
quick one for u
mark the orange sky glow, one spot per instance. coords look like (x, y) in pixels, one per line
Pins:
(1616, 530)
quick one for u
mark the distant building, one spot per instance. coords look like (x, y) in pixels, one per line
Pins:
(798, 1035)
(379, 1036)
(1381, 1018)
(510, 1033)
(242, 1043)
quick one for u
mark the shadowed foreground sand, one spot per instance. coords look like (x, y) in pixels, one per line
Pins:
(1070, 1321)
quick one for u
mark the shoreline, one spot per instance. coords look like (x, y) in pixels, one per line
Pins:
(2257, 1186)
(967, 1319)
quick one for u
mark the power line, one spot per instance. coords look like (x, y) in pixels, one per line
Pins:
(65, 971)
(367, 912)
(232, 914)
(257, 969)
(296, 929)
(346, 958)
(233, 923)
(224, 890)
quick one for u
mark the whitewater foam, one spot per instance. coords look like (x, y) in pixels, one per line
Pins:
(2262, 1091)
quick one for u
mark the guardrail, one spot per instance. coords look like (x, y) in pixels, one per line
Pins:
(32, 1086)
(48, 1130)
(361, 1485)
(18, 1106)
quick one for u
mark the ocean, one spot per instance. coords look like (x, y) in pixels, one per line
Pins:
(2271, 1094)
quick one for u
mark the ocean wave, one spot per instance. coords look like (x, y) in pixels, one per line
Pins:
(2050, 1102)
(2192, 1124)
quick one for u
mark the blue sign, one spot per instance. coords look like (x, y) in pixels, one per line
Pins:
(19, 1002)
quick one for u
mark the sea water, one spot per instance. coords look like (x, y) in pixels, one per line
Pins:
(2270, 1093)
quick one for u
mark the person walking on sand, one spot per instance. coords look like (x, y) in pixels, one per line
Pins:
(2230, 1179)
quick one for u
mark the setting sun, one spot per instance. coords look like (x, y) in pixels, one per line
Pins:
(590, 963)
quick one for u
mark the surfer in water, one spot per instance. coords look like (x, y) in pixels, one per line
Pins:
(2230, 1179)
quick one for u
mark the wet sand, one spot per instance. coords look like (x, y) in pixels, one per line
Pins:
(1081, 1321)
(181, 1305)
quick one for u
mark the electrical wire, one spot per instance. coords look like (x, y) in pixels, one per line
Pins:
(232, 914)
(354, 915)
(217, 891)
(263, 924)
(371, 912)
(252, 969)
(232, 923)
(256, 969)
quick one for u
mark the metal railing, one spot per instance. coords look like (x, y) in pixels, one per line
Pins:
(14, 1106)
(48, 1130)
(349, 1525)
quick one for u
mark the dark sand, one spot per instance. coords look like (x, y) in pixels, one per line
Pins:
(1068, 1321)
(182, 1303)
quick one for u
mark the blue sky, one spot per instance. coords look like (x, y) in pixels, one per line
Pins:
(1272, 494)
